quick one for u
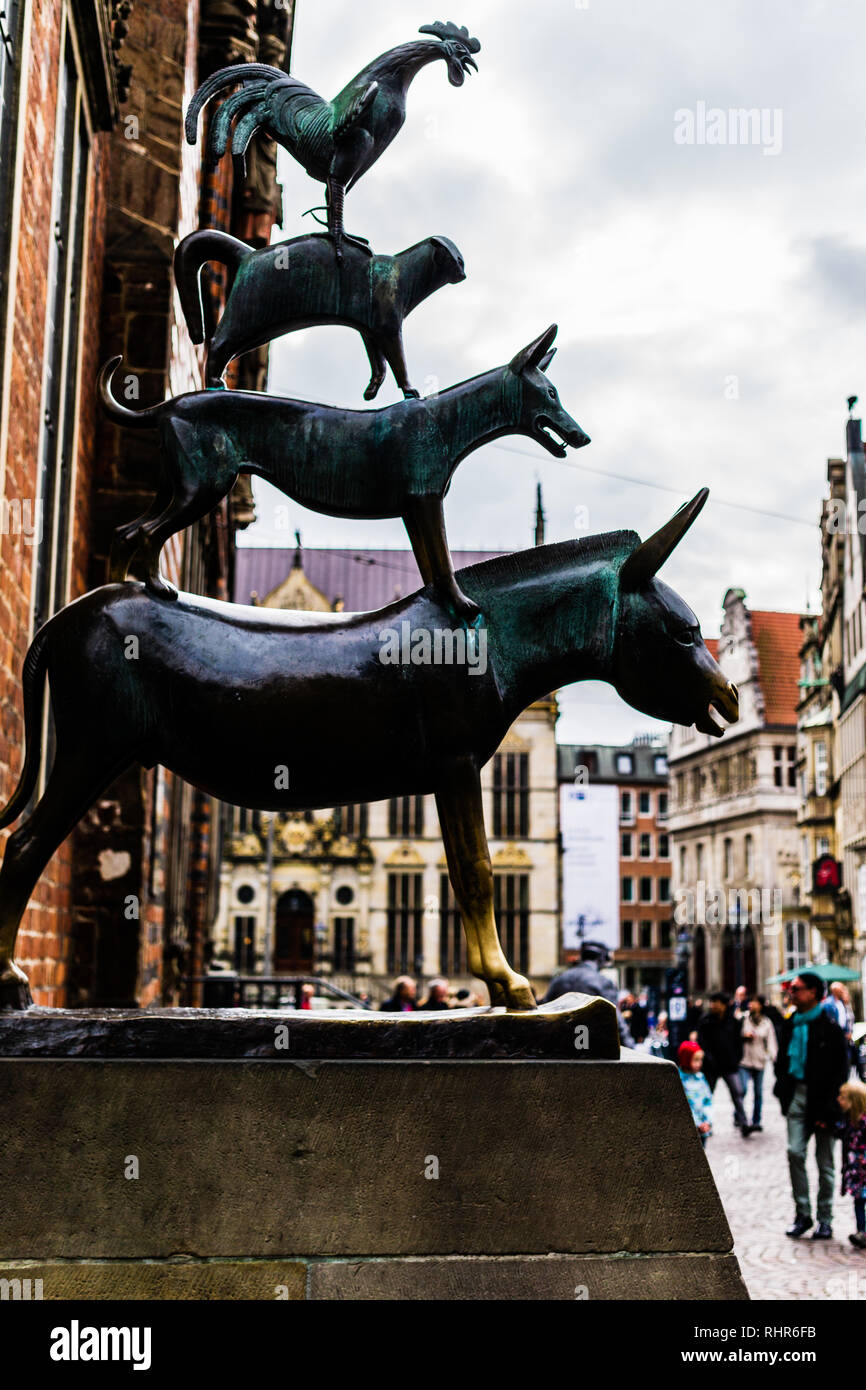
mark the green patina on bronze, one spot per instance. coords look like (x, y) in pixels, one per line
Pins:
(335, 141)
(219, 694)
(393, 462)
(299, 284)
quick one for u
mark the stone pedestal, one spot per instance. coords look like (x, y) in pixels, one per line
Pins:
(353, 1179)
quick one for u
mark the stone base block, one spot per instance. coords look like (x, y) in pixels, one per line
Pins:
(354, 1179)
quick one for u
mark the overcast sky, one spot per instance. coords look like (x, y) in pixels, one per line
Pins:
(709, 296)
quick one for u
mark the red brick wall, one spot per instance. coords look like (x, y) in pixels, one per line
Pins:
(41, 947)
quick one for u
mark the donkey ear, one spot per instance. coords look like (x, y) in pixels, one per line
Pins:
(531, 356)
(648, 558)
(546, 360)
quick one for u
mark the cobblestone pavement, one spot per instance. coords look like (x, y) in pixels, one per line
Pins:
(752, 1178)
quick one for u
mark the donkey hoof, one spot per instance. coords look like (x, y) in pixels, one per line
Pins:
(162, 588)
(467, 611)
(372, 390)
(518, 993)
(410, 394)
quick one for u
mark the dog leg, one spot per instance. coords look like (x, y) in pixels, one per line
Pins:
(397, 362)
(461, 817)
(424, 520)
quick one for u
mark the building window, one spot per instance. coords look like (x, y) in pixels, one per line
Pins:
(646, 846)
(625, 764)
(728, 860)
(247, 822)
(663, 806)
(645, 804)
(628, 890)
(696, 784)
(664, 846)
(626, 846)
(791, 758)
(646, 936)
(664, 890)
(627, 933)
(646, 890)
(681, 790)
(626, 814)
(511, 910)
(683, 863)
(406, 816)
(660, 765)
(404, 918)
(665, 935)
(724, 776)
(353, 820)
(344, 944)
(452, 938)
(796, 953)
(750, 857)
(823, 845)
(820, 768)
(60, 364)
(511, 796)
(699, 861)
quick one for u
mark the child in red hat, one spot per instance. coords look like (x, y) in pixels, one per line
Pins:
(690, 1059)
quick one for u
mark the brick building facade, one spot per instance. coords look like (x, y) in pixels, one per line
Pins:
(96, 187)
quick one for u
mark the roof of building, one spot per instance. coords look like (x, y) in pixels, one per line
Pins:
(777, 638)
(600, 761)
(712, 646)
(364, 579)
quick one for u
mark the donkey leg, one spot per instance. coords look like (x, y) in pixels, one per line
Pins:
(461, 817)
(424, 519)
(75, 782)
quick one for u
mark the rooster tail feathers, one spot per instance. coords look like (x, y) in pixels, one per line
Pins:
(218, 81)
(220, 133)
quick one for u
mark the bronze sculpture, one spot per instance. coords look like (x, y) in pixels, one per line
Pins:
(335, 141)
(396, 461)
(280, 710)
(276, 710)
(293, 285)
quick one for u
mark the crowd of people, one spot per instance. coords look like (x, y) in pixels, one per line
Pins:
(818, 1070)
(810, 1045)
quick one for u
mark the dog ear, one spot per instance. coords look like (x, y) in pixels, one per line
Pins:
(546, 360)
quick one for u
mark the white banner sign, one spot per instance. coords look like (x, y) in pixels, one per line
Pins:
(589, 820)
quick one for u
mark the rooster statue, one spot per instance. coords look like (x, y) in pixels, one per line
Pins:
(335, 141)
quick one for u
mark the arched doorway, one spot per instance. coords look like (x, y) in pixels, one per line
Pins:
(749, 960)
(294, 936)
(699, 973)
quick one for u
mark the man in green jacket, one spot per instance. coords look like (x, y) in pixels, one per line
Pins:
(811, 1066)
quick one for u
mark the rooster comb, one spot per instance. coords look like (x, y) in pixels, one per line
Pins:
(450, 30)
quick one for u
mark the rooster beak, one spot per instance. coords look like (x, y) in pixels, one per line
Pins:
(470, 63)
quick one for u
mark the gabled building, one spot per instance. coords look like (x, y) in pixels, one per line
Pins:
(736, 865)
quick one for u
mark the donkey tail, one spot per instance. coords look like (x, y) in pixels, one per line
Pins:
(192, 253)
(33, 683)
(121, 414)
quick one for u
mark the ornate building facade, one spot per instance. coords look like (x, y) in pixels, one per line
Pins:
(361, 893)
(736, 862)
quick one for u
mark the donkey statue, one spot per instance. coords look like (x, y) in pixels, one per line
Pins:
(284, 711)
(397, 461)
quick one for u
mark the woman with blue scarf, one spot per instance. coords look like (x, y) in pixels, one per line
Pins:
(811, 1066)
